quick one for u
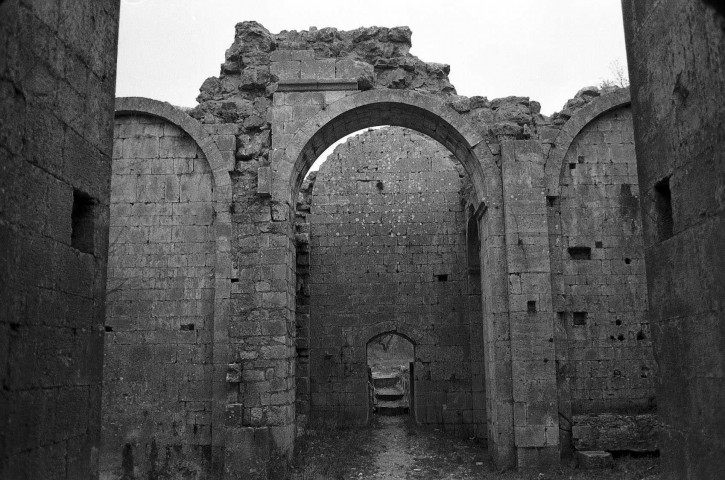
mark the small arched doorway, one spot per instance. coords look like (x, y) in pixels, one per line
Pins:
(390, 366)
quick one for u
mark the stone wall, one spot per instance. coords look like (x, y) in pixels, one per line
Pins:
(157, 395)
(388, 254)
(281, 100)
(599, 286)
(57, 80)
(676, 51)
(604, 351)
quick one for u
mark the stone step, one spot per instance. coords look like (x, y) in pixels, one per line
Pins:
(389, 391)
(594, 459)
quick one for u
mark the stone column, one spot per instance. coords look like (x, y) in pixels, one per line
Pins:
(496, 336)
(261, 384)
(535, 417)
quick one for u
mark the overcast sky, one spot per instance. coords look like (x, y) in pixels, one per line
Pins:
(543, 49)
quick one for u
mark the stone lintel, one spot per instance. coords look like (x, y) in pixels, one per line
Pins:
(317, 85)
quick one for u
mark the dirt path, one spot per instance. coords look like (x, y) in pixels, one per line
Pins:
(391, 448)
(406, 451)
(394, 448)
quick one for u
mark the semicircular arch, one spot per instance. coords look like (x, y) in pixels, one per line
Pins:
(372, 332)
(219, 167)
(581, 118)
(417, 111)
(392, 332)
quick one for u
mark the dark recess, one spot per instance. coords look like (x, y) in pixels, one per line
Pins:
(718, 5)
(580, 318)
(580, 253)
(82, 220)
(663, 209)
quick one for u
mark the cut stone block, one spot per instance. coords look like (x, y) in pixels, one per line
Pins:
(594, 459)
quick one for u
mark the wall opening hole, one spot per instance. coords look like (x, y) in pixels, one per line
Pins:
(641, 335)
(620, 337)
(598, 244)
(580, 318)
(187, 327)
(234, 280)
(617, 322)
(572, 166)
(379, 185)
(627, 261)
(531, 306)
(580, 253)
(663, 209)
(580, 159)
(82, 221)
(108, 328)
(442, 278)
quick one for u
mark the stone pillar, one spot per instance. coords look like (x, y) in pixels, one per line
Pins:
(496, 336)
(676, 51)
(535, 417)
(261, 379)
(260, 412)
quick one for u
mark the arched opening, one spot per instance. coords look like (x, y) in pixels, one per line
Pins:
(461, 324)
(419, 112)
(391, 379)
(381, 247)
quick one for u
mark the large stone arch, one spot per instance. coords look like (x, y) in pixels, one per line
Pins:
(571, 129)
(423, 113)
(220, 166)
(301, 137)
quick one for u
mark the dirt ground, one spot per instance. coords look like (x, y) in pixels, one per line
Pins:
(393, 448)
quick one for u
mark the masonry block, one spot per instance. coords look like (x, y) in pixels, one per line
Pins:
(594, 460)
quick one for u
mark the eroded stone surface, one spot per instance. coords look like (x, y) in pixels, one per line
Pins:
(385, 188)
(675, 50)
(57, 80)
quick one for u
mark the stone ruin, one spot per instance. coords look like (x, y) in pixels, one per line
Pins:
(240, 293)
(242, 296)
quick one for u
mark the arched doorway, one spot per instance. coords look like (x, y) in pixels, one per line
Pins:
(386, 233)
(295, 153)
(391, 379)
